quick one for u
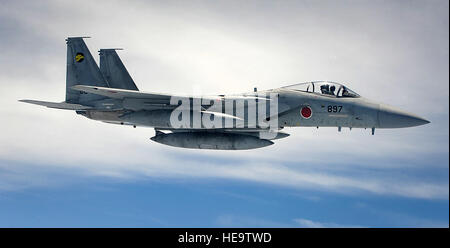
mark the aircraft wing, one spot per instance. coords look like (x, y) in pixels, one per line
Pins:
(161, 98)
(58, 105)
(122, 93)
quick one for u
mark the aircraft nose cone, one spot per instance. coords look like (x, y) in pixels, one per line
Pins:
(390, 117)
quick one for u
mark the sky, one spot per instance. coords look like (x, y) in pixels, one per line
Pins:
(59, 169)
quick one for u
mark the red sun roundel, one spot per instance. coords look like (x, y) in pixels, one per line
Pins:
(306, 112)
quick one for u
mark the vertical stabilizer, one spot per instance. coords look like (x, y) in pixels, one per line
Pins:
(114, 71)
(81, 70)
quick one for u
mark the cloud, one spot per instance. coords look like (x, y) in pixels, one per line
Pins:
(315, 224)
(400, 219)
(231, 220)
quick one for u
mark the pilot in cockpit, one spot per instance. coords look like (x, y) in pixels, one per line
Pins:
(345, 92)
(332, 89)
(326, 89)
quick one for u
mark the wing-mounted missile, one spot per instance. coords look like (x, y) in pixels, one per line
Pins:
(156, 118)
(210, 140)
(161, 117)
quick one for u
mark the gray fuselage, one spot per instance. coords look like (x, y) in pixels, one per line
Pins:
(326, 111)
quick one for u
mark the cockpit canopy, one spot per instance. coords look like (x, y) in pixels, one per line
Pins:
(324, 88)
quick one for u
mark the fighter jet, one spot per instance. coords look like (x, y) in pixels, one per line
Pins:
(222, 122)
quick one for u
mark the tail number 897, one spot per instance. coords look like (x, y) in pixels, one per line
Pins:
(334, 108)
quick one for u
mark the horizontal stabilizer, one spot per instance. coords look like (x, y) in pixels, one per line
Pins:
(58, 105)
